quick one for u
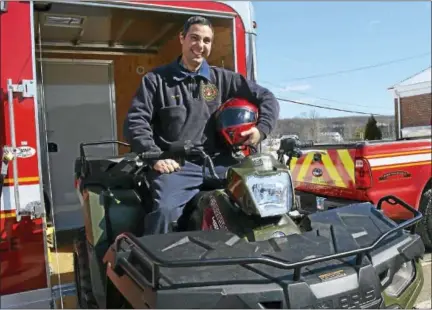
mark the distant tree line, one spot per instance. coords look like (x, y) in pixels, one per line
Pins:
(309, 126)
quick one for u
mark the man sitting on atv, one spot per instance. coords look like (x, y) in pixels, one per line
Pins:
(177, 102)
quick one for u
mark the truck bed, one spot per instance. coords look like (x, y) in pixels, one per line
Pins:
(218, 270)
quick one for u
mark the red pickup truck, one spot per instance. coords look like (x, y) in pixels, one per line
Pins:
(367, 171)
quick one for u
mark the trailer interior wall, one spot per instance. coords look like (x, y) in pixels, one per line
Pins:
(133, 41)
(136, 42)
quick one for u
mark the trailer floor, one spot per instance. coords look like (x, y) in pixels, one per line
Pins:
(61, 264)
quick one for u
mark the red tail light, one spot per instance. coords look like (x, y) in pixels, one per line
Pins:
(363, 175)
(77, 183)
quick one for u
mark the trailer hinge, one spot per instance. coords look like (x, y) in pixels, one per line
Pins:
(27, 88)
(3, 6)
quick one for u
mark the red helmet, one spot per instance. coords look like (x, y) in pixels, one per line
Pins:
(233, 117)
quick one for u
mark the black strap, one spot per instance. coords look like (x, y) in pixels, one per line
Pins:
(108, 198)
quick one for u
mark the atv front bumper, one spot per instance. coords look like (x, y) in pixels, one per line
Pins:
(217, 269)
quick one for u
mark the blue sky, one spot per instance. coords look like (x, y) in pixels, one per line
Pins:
(300, 39)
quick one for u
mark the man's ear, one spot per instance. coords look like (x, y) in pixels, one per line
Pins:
(181, 37)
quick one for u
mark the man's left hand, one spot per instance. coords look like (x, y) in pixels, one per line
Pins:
(253, 136)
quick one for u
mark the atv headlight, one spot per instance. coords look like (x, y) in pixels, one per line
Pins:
(273, 195)
(401, 279)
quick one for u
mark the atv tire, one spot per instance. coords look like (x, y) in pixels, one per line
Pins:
(83, 284)
(424, 228)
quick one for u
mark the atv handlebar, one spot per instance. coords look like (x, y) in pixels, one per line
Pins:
(302, 145)
(289, 145)
(177, 149)
(292, 148)
(180, 151)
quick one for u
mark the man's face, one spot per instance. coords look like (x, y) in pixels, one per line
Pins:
(196, 45)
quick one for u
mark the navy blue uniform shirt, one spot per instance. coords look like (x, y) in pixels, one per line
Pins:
(174, 104)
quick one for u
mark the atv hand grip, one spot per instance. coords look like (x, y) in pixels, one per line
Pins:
(179, 148)
(304, 144)
(151, 155)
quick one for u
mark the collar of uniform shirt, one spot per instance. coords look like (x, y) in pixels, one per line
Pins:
(181, 72)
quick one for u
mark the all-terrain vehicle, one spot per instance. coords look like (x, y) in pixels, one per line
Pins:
(244, 243)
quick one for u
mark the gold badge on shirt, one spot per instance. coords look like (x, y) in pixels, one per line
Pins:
(209, 91)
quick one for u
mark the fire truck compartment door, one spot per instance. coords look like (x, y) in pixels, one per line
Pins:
(78, 99)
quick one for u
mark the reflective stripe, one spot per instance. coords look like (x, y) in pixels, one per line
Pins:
(304, 167)
(9, 181)
(28, 194)
(337, 169)
(347, 162)
(395, 160)
(332, 171)
(7, 214)
(399, 154)
(402, 165)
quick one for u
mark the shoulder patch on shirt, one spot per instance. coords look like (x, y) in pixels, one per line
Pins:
(209, 91)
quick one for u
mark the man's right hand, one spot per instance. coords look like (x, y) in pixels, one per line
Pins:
(166, 166)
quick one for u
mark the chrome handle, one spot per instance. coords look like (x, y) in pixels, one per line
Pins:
(10, 88)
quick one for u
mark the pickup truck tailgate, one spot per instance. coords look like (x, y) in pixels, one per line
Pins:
(328, 172)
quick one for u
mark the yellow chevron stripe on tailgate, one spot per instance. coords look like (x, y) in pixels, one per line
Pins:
(331, 169)
(304, 167)
(348, 162)
(293, 163)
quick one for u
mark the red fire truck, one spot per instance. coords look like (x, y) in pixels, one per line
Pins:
(68, 72)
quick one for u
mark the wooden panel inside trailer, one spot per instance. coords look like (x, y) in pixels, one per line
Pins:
(136, 42)
(129, 68)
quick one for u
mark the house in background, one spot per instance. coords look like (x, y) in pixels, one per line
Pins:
(412, 101)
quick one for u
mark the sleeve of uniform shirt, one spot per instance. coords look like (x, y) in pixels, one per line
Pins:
(267, 103)
(137, 126)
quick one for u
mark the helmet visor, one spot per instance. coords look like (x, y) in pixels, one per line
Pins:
(235, 116)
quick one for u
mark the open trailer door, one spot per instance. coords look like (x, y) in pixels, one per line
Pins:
(23, 264)
(91, 58)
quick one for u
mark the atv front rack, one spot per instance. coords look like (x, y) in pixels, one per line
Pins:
(133, 257)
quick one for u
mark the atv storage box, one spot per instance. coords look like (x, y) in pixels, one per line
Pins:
(338, 264)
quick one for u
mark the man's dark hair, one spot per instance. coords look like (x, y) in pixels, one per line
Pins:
(195, 20)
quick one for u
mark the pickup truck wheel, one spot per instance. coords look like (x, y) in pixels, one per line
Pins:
(424, 228)
(83, 284)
